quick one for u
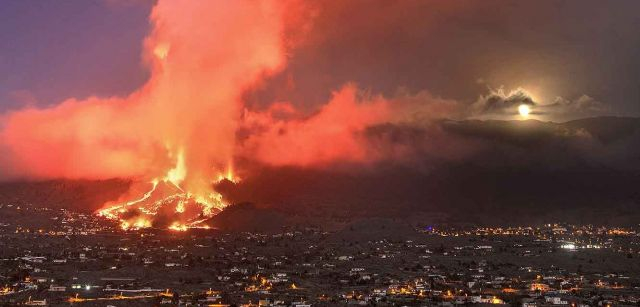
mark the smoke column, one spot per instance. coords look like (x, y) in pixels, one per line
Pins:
(183, 125)
(202, 56)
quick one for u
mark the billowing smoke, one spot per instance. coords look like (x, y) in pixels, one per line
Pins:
(202, 56)
(187, 123)
(244, 84)
(342, 130)
(181, 132)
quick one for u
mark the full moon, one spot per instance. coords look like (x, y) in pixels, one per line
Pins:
(524, 110)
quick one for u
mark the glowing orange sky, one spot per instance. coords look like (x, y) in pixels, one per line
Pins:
(205, 57)
(202, 56)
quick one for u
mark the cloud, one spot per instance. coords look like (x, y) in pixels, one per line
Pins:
(192, 106)
(583, 106)
(348, 128)
(472, 169)
(501, 102)
(194, 102)
(202, 56)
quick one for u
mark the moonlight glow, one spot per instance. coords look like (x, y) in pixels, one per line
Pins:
(524, 110)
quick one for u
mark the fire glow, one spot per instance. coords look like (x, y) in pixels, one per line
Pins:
(174, 136)
(147, 207)
(177, 135)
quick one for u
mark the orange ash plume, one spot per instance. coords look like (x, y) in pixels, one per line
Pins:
(330, 134)
(177, 132)
(336, 132)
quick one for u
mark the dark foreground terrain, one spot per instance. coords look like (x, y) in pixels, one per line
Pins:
(59, 257)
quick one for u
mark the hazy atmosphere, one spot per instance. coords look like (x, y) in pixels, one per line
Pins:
(355, 125)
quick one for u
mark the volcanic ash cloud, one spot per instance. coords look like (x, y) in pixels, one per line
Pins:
(202, 55)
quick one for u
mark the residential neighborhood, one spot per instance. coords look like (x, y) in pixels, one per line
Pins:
(84, 260)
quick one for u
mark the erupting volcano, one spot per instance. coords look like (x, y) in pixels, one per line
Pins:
(179, 134)
(176, 135)
(167, 205)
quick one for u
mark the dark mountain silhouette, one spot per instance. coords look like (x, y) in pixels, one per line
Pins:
(519, 171)
(84, 195)
(248, 217)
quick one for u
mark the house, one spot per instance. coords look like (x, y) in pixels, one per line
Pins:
(556, 300)
(53, 288)
(31, 302)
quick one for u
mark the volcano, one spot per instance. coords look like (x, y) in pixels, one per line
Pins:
(164, 205)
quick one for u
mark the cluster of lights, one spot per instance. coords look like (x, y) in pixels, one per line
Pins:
(573, 246)
(86, 287)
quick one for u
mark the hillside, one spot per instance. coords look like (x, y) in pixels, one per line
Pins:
(515, 172)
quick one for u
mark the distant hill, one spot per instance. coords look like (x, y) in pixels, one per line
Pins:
(83, 195)
(583, 171)
(607, 129)
(248, 217)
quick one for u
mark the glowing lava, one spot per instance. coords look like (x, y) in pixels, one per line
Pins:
(176, 133)
(167, 205)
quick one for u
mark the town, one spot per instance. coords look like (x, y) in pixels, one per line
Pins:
(57, 257)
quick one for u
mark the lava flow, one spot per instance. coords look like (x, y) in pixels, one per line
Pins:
(167, 205)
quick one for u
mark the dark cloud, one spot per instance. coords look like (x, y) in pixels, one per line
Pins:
(552, 48)
(609, 142)
(581, 107)
(474, 170)
(500, 102)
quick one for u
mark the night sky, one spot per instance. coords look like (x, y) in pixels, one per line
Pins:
(50, 51)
